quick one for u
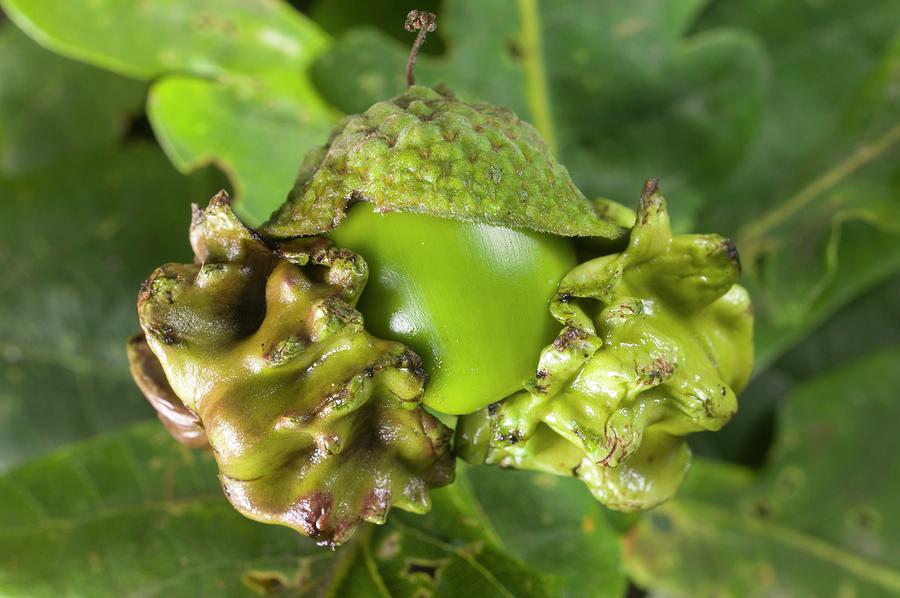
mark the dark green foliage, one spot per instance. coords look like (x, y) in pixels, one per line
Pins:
(771, 121)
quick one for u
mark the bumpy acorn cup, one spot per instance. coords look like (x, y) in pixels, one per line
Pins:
(428, 152)
(314, 423)
(656, 340)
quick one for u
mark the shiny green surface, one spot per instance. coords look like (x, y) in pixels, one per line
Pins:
(471, 299)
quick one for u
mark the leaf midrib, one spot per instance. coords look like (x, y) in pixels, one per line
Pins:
(73, 362)
(240, 564)
(536, 90)
(865, 154)
(47, 523)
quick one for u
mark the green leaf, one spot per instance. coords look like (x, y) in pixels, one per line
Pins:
(615, 87)
(248, 59)
(215, 39)
(817, 520)
(51, 107)
(552, 524)
(136, 513)
(133, 514)
(869, 323)
(258, 144)
(819, 54)
(816, 200)
(75, 243)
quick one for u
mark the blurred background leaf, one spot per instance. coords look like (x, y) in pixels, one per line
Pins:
(137, 514)
(814, 206)
(76, 241)
(773, 121)
(561, 514)
(826, 163)
(88, 209)
(871, 323)
(200, 122)
(248, 61)
(817, 520)
(51, 107)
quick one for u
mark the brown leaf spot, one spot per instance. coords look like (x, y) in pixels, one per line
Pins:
(588, 525)
(764, 574)
(864, 518)
(762, 508)
(423, 569)
(265, 583)
(389, 547)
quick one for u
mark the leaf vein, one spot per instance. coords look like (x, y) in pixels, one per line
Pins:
(803, 542)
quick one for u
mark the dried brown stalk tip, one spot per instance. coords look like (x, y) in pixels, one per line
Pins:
(420, 19)
(423, 22)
